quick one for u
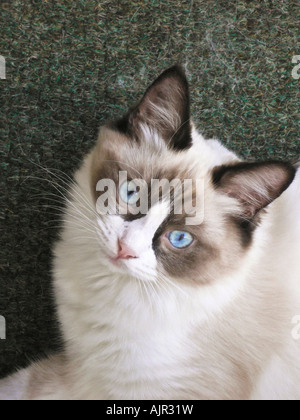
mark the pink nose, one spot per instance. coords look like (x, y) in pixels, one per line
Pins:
(125, 253)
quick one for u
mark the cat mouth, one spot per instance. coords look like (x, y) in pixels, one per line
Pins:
(120, 265)
(118, 262)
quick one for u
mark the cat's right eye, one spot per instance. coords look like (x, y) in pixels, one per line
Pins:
(180, 240)
(129, 193)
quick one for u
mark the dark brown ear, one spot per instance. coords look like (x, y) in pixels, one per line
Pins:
(255, 185)
(164, 109)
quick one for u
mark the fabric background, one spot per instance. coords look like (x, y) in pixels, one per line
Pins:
(73, 64)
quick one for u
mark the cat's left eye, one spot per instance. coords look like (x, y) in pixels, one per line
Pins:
(129, 193)
(180, 240)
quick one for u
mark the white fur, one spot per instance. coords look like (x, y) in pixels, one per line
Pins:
(128, 339)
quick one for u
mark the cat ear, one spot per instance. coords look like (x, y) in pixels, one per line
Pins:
(255, 185)
(164, 109)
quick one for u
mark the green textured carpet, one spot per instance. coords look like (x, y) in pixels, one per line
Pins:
(72, 64)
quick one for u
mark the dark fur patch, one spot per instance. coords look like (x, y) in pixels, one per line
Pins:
(221, 171)
(121, 125)
(246, 229)
(171, 91)
(222, 179)
(275, 178)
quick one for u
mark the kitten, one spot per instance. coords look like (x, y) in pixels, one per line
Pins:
(154, 307)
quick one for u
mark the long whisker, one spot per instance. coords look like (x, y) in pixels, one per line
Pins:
(69, 192)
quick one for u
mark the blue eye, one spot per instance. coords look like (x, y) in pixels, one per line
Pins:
(180, 239)
(129, 193)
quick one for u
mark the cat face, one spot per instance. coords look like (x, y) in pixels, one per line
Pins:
(154, 142)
